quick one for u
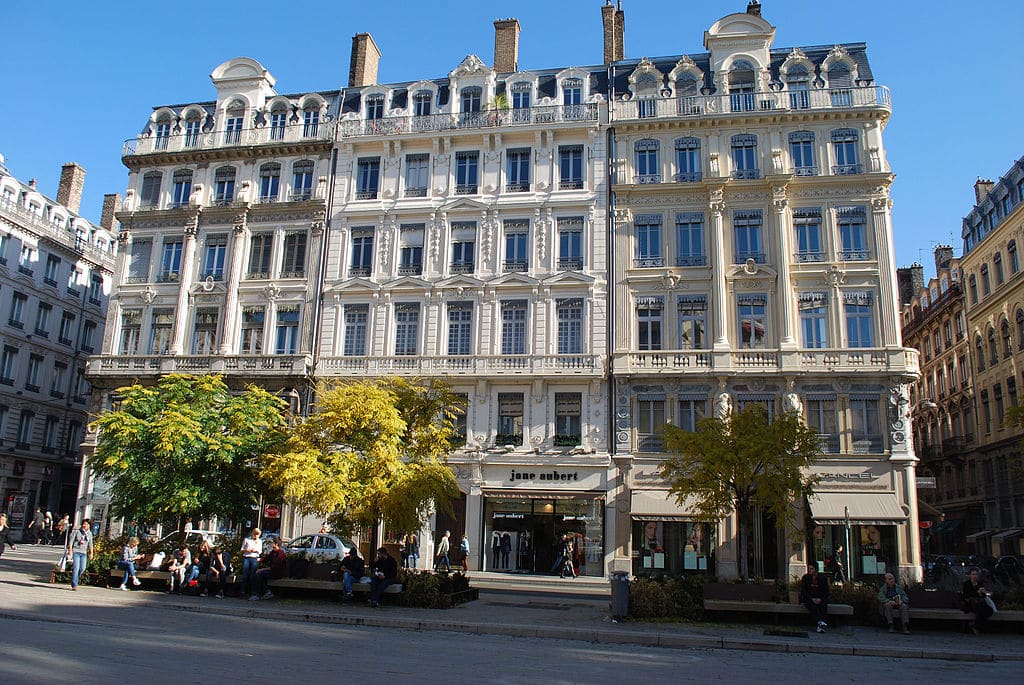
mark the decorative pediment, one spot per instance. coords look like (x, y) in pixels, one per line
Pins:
(797, 57)
(407, 282)
(355, 286)
(514, 279)
(470, 66)
(751, 271)
(459, 281)
(569, 278)
(463, 204)
(646, 80)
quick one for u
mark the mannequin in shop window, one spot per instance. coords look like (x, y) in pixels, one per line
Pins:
(496, 549)
(651, 537)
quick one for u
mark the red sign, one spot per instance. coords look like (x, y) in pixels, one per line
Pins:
(925, 524)
(272, 511)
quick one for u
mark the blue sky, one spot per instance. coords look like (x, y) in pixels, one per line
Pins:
(81, 77)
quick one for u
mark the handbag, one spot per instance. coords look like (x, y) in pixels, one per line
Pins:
(991, 604)
(62, 565)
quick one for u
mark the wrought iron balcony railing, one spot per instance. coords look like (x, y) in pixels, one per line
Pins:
(388, 126)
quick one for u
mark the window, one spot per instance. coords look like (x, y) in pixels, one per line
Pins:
(1020, 329)
(75, 278)
(570, 243)
(572, 96)
(518, 170)
(1011, 249)
(986, 286)
(74, 440)
(510, 419)
(42, 327)
(88, 336)
(993, 351)
(25, 426)
(997, 265)
(52, 271)
(568, 419)
(355, 330)
(131, 329)
(463, 237)
(161, 329)
(814, 320)
(747, 225)
(59, 380)
(649, 320)
(260, 248)
(421, 103)
(460, 328)
(375, 107)
(646, 91)
(67, 325)
(752, 319)
(801, 151)
(972, 288)
(467, 168)
(362, 253)
(204, 336)
(688, 164)
(692, 312)
(95, 289)
(410, 258)
(302, 180)
(182, 188)
(287, 330)
(417, 175)
(798, 85)
(807, 226)
(407, 328)
(27, 259)
(852, 234)
(647, 169)
(16, 318)
(163, 134)
(840, 81)
(310, 121)
(650, 425)
(470, 99)
(233, 124)
(513, 327)
(270, 182)
(864, 422)
(986, 411)
(1011, 390)
(822, 418)
(170, 265)
(744, 156)
(570, 325)
(278, 121)
(224, 185)
(692, 409)
(521, 101)
(35, 363)
(4, 240)
(690, 239)
(741, 86)
(858, 308)
(7, 360)
(367, 178)
(648, 240)
(570, 167)
(997, 396)
(516, 256)
(293, 261)
(979, 356)
(149, 198)
(216, 251)
(1007, 339)
(844, 148)
(252, 330)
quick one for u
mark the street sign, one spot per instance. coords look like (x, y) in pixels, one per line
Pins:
(272, 511)
(925, 524)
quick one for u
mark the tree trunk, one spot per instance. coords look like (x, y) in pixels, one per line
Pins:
(743, 539)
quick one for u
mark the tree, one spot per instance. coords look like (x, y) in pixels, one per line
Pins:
(187, 446)
(744, 460)
(373, 451)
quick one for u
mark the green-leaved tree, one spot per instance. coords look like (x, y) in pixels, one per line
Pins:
(740, 462)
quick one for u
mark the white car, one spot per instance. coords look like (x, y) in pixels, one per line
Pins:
(319, 544)
(171, 541)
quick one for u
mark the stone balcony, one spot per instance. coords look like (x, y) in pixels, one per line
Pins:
(218, 139)
(557, 365)
(764, 361)
(255, 366)
(69, 239)
(528, 116)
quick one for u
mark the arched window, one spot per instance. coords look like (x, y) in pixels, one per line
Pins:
(1020, 329)
(278, 121)
(163, 132)
(1007, 339)
(311, 120)
(375, 106)
(986, 285)
(233, 123)
(521, 97)
(182, 187)
(193, 125)
(741, 86)
(422, 101)
(844, 150)
(647, 89)
(224, 185)
(993, 351)
(972, 288)
(798, 83)
(744, 156)
(270, 182)
(1011, 249)
(688, 163)
(647, 169)
(997, 265)
(470, 98)
(840, 82)
(302, 179)
(149, 197)
(687, 86)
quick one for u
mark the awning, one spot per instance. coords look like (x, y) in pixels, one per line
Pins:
(660, 505)
(974, 537)
(1006, 534)
(927, 510)
(542, 494)
(866, 508)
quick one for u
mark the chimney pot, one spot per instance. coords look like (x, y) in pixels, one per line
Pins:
(72, 180)
(613, 21)
(754, 8)
(982, 187)
(365, 60)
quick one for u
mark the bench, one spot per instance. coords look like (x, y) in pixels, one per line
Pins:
(328, 585)
(165, 576)
(776, 610)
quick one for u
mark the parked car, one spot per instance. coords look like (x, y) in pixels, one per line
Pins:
(319, 544)
(171, 541)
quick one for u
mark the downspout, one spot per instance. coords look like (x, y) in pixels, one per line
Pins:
(610, 258)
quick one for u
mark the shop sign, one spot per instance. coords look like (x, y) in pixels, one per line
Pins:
(16, 506)
(508, 515)
(272, 511)
(849, 477)
(552, 476)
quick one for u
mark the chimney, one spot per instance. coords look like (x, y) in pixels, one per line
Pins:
(754, 8)
(982, 187)
(620, 33)
(72, 179)
(943, 257)
(612, 20)
(111, 205)
(910, 281)
(506, 45)
(365, 59)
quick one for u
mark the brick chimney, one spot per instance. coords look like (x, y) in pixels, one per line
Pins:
(620, 32)
(612, 19)
(365, 59)
(943, 257)
(754, 8)
(506, 45)
(72, 180)
(982, 187)
(111, 205)
(910, 281)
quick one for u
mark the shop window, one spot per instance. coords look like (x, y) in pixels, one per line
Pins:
(872, 551)
(510, 419)
(672, 548)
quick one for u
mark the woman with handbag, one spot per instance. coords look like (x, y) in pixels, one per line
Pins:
(977, 600)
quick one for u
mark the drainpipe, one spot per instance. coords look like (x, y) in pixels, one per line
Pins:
(610, 268)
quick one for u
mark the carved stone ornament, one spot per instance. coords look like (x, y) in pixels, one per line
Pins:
(835, 276)
(148, 295)
(471, 64)
(272, 292)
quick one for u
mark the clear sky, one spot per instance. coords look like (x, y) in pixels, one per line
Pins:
(80, 77)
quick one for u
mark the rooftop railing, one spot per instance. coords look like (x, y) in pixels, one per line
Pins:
(63, 236)
(221, 138)
(530, 116)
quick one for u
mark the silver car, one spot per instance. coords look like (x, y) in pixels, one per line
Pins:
(319, 544)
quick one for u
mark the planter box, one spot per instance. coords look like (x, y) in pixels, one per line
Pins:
(745, 592)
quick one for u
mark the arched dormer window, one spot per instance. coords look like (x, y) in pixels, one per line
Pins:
(572, 91)
(193, 126)
(302, 179)
(844, 148)
(646, 89)
(647, 169)
(375, 106)
(688, 162)
(687, 85)
(521, 92)
(798, 83)
(224, 185)
(278, 120)
(422, 103)
(741, 85)
(162, 132)
(840, 83)
(181, 188)
(270, 182)
(150, 193)
(470, 99)
(311, 119)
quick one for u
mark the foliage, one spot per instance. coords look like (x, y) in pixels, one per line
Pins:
(186, 446)
(746, 459)
(106, 554)
(374, 450)
(863, 597)
(667, 597)
(430, 590)
(1011, 599)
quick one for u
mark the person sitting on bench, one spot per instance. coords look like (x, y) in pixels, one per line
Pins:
(385, 570)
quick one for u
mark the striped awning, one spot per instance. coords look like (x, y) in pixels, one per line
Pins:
(660, 505)
(1003, 535)
(866, 508)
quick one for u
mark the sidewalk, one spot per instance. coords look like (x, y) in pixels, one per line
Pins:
(517, 606)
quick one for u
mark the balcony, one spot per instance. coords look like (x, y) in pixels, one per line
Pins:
(415, 192)
(847, 169)
(648, 262)
(806, 257)
(516, 266)
(225, 139)
(571, 184)
(647, 178)
(805, 171)
(62, 236)
(746, 174)
(462, 267)
(465, 366)
(359, 271)
(570, 263)
(519, 187)
(410, 269)
(855, 255)
(466, 189)
(366, 195)
(761, 361)
(691, 260)
(868, 97)
(744, 257)
(390, 126)
(688, 177)
(134, 366)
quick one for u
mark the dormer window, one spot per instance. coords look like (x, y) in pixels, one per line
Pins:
(233, 124)
(798, 85)
(375, 107)
(421, 103)
(192, 126)
(840, 81)
(646, 89)
(741, 86)
(521, 94)
(470, 99)
(163, 133)
(572, 91)
(310, 121)
(686, 85)
(278, 121)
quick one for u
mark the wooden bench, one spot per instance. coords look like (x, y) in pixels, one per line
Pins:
(776, 610)
(328, 585)
(165, 576)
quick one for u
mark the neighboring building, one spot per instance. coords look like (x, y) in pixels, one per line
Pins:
(991, 265)
(55, 276)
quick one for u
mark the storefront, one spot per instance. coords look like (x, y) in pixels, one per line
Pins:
(869, 549)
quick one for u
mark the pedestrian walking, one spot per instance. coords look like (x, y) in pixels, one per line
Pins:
(252, 547)
(444, 547)
(412, 546)
(36, 527)
(464, 552)
(5, 535)
(80, 550)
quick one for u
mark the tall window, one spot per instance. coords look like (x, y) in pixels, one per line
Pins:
(160, 331)
(27, 260)
(460, 328)
(823, 419)
(510, 419)
(252, 330)
(375, 107)
(310, 121)
(52, 272)
(410, 261)
(744, 156)
(17, 315)
(1011, 249)
(857, 307)
(470, 99)
(568, 419)
(131, 330)
(163, 134)
(407, 328)
(513, 327)
(747, 227)
(572, 97)
(467, 170)
(852, 234)
(67, 328)
(10, 356)
(647, 169)
(233, 124)
(35, 364)
(997, 265)
(798, 85)
(463, 237)
(986, 284)
(521, 101)
(844, 147)
(58, 382)
(690, 239)
(260, 247)
(42, 327)
(840, 82)
(518, 170)
(293, 261)
(688, 164)
(362, 253)
(865, 425)
(181, 188)
(287, 333)
(356, 316)
(417, 175)
(570, 325)
(692, 313)
(692, 409)
(149, 198)
(367, 178)
(570, 167)
(270, 182)
(814, 320)
(648, 240)
(570, 243)
(302, 179)
(1005, 335)
(741, 86)
(516, 255)
(753, 321)
(192, 129)
(25, 427)
(801, 151)
(224, 185)
(807, 227)
(170, 265)
(421, 103)
(216, 252)
(204, 336)
(278, 121)
(650, 425)
(649, 319)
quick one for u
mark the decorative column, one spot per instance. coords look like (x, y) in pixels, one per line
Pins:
(716, 209)
(313, 278)
(781, 204)
(889, 312)
(188, 259)
(239, 237)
